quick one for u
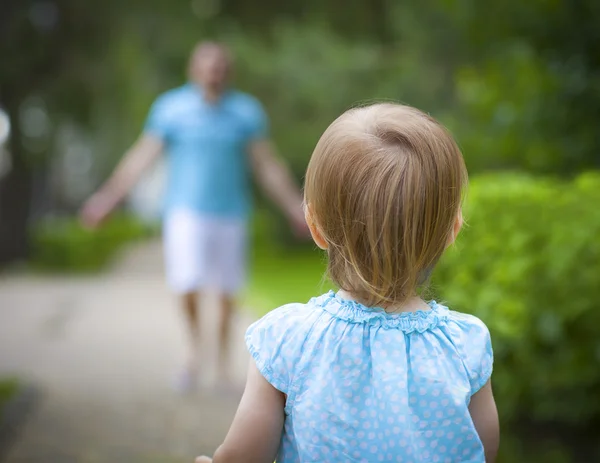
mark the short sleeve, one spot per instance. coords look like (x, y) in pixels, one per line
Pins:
(475, 347)
(273, 342)
(158, 121)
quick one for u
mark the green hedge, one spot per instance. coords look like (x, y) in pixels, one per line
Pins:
(8, 388)
(528, 264)
(63, 245)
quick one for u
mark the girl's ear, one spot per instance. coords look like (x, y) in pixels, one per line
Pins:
(458, 223)
(314, 229)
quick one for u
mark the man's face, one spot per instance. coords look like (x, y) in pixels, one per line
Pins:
(210, 67)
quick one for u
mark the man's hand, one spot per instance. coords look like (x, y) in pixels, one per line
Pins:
(279, 184)
(203, 460)
(298, 223)
(96, 209)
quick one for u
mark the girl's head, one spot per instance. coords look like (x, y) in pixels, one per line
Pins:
(383, 191)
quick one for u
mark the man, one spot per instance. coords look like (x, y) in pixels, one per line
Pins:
(213, 136)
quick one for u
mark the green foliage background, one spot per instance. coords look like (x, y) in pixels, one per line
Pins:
(517, 82)
(528, 265)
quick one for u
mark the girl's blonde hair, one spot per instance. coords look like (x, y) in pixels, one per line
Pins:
(384, 186)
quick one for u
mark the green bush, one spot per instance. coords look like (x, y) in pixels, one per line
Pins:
(8, 389)
(64, 245)
(528, 264)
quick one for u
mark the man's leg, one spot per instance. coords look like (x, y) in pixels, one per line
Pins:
(188, 377)
(183, 251)
(231, 278)
(191, 313)
(226, 310)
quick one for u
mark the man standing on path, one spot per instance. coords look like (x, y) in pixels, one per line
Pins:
(213, 135)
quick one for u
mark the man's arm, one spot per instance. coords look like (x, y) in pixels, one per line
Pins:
(127, 173)
(277, 181)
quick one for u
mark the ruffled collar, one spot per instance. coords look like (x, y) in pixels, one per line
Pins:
(408, 322)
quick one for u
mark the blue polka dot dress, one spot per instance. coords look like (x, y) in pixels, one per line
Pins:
(366, 386)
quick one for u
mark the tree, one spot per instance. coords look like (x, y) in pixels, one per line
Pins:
(48, 48)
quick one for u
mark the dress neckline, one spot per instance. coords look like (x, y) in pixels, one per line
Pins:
(408, 322)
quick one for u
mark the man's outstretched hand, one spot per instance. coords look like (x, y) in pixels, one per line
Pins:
(96, 209)
(299, 225)
(203, 460)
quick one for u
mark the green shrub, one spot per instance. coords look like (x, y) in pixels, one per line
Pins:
(64, 245)
(8, 388)
(528, 264)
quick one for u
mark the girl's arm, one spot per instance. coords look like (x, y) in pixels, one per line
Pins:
(256, 430)
(485, 417)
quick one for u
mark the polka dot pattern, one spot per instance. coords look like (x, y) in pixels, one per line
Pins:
(363, 385)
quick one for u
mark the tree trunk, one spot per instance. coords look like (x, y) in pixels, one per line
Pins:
(15, 198)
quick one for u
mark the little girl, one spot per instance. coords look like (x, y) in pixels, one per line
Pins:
(372, 373)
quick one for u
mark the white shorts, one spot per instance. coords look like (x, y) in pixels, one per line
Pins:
(204, 252)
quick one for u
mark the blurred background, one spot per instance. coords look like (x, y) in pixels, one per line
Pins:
(82, 313)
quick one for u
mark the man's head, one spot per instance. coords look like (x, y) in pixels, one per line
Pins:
(210, 66)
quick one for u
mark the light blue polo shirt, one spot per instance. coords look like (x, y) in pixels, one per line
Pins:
(206, 144)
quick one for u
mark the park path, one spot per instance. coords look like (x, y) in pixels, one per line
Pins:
(103, 351)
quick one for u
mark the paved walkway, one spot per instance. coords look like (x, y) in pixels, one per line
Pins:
(103, 350)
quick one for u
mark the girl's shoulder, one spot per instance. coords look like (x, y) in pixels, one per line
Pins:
(285, 314)
(277, 340)
(473, 344)
(467, 323)
(467, 331)
(293, 317)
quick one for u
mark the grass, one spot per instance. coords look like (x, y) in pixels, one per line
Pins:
(8, 388)
(282, 274)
